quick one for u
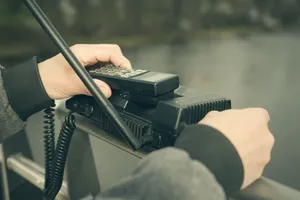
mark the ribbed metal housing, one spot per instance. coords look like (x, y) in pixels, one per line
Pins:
(198, 111)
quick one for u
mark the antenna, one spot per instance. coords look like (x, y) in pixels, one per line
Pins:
(85, 77)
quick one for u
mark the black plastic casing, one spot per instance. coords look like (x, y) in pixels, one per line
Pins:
(159, 119)
(148, 84)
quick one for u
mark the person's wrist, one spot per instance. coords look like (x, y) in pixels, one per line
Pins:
(47, 79)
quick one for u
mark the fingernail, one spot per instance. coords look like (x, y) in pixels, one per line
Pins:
(101, 84)
(126, 66)
(106, 91)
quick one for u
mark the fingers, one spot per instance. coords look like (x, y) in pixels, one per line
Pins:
(103, 87)
(94, 53)
(270, 138)
(211, 113)
(120, 60)
(113, 54)
(258, 113)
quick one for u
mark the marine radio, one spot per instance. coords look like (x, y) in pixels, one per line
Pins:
(152, 104)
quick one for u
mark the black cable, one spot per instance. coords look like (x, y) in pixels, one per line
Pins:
(59, 161)
(49, 143)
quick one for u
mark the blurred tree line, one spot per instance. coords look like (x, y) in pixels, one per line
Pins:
(141, 16)
(104, 19)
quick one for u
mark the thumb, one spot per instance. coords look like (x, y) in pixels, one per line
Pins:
(103, 87)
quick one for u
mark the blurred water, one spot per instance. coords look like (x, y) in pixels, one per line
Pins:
(256, 71)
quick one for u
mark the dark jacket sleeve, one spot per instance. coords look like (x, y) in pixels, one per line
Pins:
(167, 174)
(10, 123)
(216, 152)
(203, 164)
(21, 95)
(25, 91)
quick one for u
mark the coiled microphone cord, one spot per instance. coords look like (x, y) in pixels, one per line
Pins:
(55, 158)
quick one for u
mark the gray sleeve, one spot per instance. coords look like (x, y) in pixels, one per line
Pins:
(10, 123)
(167, 174)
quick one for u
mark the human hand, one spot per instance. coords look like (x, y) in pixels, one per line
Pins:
(248, 131)
(59, 79)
